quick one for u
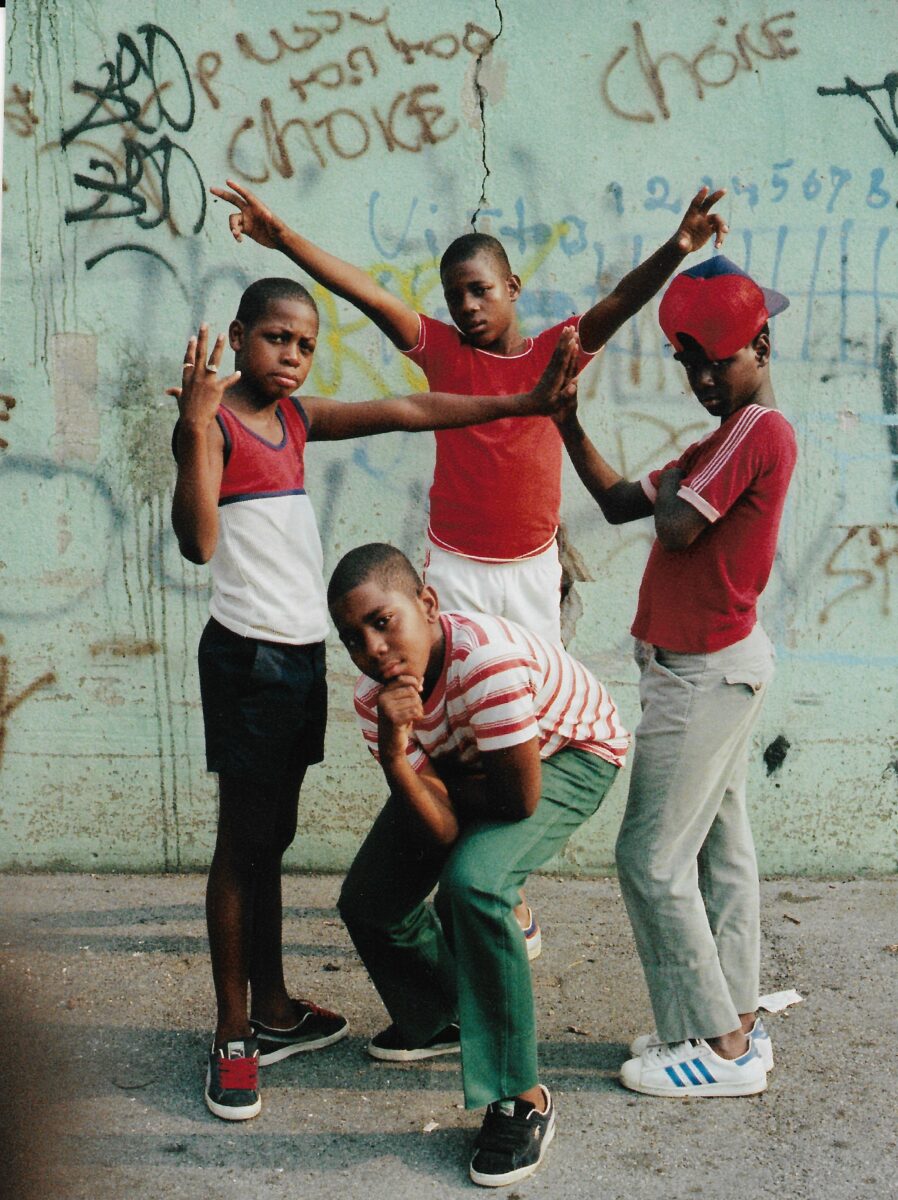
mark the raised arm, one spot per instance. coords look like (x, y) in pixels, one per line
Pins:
(619, 499)
(199, 448)
(330, 420)
(390, 314)
(637, 288)
(398, 707)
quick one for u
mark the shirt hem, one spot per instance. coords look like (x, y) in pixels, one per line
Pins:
(484, 558)
(258, 634)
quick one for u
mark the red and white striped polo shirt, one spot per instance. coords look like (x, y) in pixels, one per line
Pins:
(500, 686)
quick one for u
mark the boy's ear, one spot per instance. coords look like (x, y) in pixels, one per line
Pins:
(235, 335)
(430, 603)
(762, 348)
(514, 285)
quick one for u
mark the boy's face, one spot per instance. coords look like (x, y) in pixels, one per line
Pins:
(389, 633)
(481, 298)
(274, 355)
(723, 386)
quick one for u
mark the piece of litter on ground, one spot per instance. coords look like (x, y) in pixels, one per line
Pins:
(580, 1032)
(775, 1002)
(789, 917)
(430, 1126)
(892, 949)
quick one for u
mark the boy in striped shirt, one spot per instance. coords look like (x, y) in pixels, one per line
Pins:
(685, 852)
(496, 746)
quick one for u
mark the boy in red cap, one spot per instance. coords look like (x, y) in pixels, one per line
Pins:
(685, 853)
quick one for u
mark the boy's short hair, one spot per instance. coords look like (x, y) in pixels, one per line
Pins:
(469, 244)
(378, 560)
(719, 306)
(259, 295)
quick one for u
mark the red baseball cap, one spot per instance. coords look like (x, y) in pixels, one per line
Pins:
(718, 305)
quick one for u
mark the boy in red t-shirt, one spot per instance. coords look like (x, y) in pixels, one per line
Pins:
(685, 853)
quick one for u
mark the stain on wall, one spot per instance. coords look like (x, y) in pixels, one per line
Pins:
(382, 131)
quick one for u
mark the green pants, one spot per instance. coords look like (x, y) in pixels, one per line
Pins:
(465, 959)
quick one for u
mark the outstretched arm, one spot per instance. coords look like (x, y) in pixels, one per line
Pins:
(619, 499)
(397, 320)
(330, 420)
(637, 288)
(199, 448)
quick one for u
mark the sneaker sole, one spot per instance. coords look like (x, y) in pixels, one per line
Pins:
(273, 1056)
(412, 1055)
(228, 1113)
(521, 1172)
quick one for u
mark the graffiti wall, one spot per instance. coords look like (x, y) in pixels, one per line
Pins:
(382, 130)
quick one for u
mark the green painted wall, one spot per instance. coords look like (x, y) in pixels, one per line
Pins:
(379, 130)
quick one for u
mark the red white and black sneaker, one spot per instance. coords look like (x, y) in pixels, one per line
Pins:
(232, 1080)
(315, 1029)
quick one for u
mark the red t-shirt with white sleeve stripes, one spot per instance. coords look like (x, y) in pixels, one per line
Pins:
(704, 597)
(496, 489)
(500, 686)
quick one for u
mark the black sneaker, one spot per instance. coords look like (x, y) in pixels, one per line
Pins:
(232, 1081)
(316, 1028)
(388, 1045)
(512, 1141)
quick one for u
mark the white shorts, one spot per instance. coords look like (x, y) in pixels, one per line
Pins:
(527, 590)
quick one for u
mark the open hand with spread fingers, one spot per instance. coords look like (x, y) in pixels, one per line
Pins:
(254, 218)
(699, 223)
(202, 389)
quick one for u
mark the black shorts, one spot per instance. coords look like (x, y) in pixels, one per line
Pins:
(264, 704)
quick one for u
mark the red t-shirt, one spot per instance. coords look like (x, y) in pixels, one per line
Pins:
(496, 488)
(703, 598)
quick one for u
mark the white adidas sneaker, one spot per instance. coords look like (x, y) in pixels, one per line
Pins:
(758, 1035)
(693, 1069)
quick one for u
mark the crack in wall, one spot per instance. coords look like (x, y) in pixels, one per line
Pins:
(481, 102)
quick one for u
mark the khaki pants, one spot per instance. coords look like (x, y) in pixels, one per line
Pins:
(685, 852)
(469, 963)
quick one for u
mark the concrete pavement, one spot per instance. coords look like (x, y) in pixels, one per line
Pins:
(106, 986)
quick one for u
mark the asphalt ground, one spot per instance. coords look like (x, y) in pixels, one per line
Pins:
(108, 1009)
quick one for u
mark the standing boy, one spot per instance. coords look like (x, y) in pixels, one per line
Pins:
(496, 746)
(240, 502)
(685, 853)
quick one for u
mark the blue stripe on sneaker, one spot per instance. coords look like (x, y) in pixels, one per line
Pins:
(690, 1074)
(703, 1070)
(674, 1076)
(752, 1053)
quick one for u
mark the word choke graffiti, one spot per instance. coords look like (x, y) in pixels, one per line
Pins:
(713, 66)
(414, 117)
(144, 92)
